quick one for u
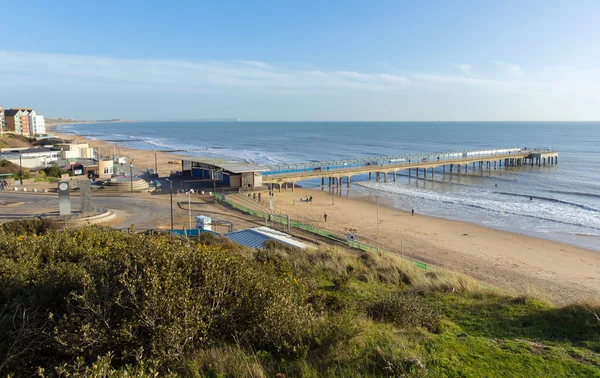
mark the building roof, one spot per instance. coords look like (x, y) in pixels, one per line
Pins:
(255, 237)
(230, 166)
(31, 151)
(12, 112)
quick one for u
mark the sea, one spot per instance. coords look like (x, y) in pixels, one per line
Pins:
(559, 202)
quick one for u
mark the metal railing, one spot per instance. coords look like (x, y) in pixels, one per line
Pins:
(433, 158)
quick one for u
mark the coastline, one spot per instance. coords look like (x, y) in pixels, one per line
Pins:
(561, 272)
(145, 156)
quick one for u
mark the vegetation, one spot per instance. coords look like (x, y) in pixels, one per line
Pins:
(7, 167)
(99, 302)
(53, 171)
(10, 140)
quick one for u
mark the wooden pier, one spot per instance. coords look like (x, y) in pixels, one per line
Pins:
(384, 168)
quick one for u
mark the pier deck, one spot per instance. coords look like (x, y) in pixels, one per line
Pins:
(336, 171)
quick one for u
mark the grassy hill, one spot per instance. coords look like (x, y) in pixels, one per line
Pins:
(99, 302)
(13, 140)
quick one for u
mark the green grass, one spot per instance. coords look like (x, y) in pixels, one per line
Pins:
(315, 313)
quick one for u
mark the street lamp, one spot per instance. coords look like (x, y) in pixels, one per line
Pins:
(21, 168)
(131, 174)
(377, 223)
(190, 207)
(171, 194)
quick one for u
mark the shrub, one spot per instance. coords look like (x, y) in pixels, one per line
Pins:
(404, 311)
(54, 171)
(33, 226)
(88, 292)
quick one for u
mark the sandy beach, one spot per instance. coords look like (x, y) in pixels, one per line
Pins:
(559, 272)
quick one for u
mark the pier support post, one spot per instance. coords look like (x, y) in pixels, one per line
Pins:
(408, 172)
(466, 168)
(394, 176)
(451, 167)
(369, 176)
(444, 168)
(417, 169)
(322, 181)
(293, 185)
(432, 173)
(458, 170)
(385, 176)
(348, 181)
(424, 172)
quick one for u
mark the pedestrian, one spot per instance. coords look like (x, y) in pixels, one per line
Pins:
(413, 212)
(325, 217)
(531, 198)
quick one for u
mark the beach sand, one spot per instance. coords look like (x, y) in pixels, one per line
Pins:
(558, 272)
(526, 265)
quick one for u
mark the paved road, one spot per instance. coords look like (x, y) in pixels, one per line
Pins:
(142, 211)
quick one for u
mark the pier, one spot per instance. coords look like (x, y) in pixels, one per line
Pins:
(340, 172)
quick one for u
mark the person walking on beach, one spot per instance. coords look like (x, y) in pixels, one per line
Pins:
(413, 212)
(325, 217)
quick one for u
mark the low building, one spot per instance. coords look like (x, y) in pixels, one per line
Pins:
(37, 125)
(256, 237)
(105, 169)
(31, 157)
(76, 150)
(231, 174)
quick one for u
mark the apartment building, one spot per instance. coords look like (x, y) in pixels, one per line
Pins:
(17, 120)
(2, 121)
(37, 125)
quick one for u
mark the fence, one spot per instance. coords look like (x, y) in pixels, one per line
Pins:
(315, 230)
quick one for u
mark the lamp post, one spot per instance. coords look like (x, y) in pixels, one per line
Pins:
(377, 223)
(190, 207)
(21, 168)
(171, 194)
(131, 175)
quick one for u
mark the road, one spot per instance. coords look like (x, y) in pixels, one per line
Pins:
(142, 210)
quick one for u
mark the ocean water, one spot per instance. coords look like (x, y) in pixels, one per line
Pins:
(566, 204)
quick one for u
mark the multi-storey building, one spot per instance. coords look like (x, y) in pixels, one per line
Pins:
(17, 120)
(37, 125)
(2, 121)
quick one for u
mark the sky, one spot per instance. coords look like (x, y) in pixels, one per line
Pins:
(303, 60)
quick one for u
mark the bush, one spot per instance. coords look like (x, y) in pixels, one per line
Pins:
(89, 292)
(404, 311)
(29, 227)
(54, 171)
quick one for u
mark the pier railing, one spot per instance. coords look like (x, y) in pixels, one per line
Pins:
(399, 161)
(317, 231)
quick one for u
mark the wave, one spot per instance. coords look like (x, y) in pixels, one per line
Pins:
(582, 194)
(557, 211)
(585, 207)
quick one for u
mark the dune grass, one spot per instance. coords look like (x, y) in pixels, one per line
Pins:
(97, 302)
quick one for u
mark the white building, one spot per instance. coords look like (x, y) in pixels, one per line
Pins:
(31, 157)
(37, 125)
(77, 150)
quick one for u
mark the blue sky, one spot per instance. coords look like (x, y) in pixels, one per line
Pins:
(305, 60)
